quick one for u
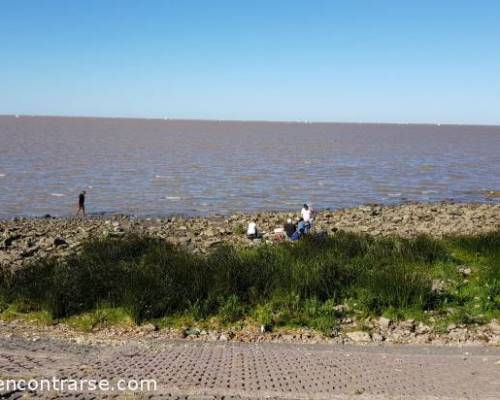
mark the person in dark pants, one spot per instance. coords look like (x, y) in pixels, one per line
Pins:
(81, 203)
(289, 228)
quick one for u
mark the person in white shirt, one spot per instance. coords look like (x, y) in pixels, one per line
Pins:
(252, 232)
(307, 214)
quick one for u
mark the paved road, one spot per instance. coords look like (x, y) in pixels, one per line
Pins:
(187, 370)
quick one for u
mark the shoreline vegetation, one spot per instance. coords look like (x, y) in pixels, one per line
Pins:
(420, 273)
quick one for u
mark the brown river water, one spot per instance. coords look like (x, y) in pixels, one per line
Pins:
(161, 167)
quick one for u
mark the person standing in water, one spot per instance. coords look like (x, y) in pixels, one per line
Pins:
(81, 203)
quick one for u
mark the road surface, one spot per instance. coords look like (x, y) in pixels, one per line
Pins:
(223, 370)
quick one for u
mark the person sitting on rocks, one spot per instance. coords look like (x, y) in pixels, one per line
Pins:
(252, 231)
(289, 228)
(299, 231)
(295, 236)
(307, 214)
(301, 226)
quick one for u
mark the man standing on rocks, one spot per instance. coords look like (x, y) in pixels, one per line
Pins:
(81, 203)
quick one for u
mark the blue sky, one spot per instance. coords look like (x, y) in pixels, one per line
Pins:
(390, 61)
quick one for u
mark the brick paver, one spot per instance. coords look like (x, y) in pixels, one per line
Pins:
(187, 370)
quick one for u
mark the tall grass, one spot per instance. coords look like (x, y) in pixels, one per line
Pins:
(297, 283)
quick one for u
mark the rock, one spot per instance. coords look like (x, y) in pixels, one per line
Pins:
(214, 243)
(209, 233)
(59, 241)
(376, 337)
(29, 251)
(494, 327)
(409, 325)
(193, 332)
(492, 194)
(464, 270)
(422, 329)
(438, 285)
(384, 323)
(223, 338)
(359, 336)
(342, 308)
(10, 239)
(422, 339)
(149, 328)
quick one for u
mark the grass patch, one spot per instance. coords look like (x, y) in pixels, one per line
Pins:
(101, 317)
(129, 280)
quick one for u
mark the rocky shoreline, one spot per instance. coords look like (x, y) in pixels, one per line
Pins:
(26, 239)
(376, 332)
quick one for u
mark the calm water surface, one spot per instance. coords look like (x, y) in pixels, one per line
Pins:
(157, 167)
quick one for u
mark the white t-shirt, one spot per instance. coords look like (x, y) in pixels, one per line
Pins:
(306, 214)
(252, 228)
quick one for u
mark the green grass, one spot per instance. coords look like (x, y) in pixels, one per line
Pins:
(101, 317)
(134, 279)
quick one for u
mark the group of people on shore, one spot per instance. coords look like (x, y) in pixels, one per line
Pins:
(292, 231)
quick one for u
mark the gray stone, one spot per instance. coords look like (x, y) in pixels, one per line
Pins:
(359, 336)
(149, 327)
(342, 308)
(464, 270)
(409, 325)
(494, 327)
(384, 323)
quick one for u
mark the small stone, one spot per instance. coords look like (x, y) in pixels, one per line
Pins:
(359, 336)
(193, 332)
(59, 241)
(384, 323)
(377, 337)
(494, 327)
(223, 338)
(409, 325)
(422, 329)
(29, 251)
(149, 327)
(342, 308)
(438, 285)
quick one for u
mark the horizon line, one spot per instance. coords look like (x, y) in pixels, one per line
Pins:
(277, 121)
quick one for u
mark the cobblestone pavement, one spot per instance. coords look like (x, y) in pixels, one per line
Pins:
(186, 370)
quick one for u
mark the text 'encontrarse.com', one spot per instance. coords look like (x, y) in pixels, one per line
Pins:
(77, 385)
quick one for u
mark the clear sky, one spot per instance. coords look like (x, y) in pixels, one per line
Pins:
(380, 60)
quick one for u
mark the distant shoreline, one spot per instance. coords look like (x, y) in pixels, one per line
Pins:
(250, 121)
